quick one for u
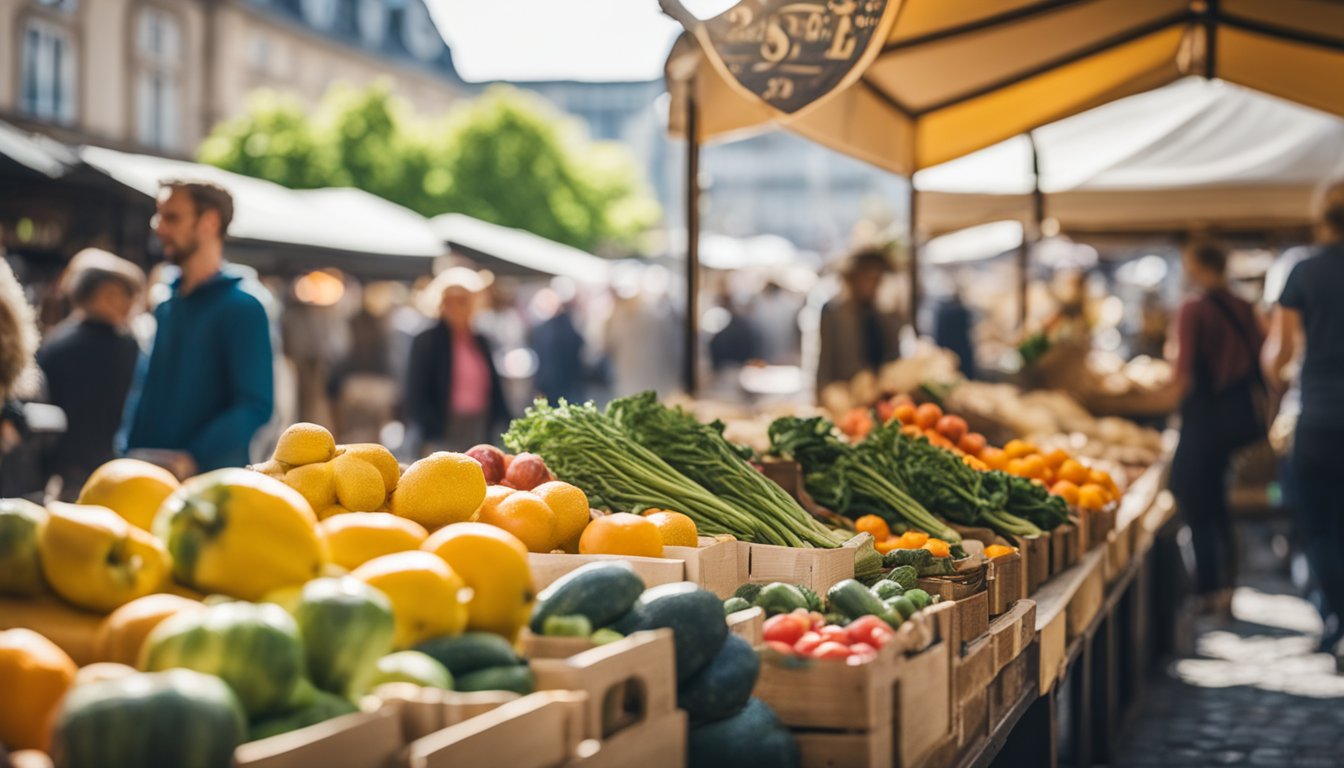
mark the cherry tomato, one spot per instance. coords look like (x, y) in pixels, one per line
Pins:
(785, 628)
(807, 643)
(860, 630)
(831, 650)
(834, 633)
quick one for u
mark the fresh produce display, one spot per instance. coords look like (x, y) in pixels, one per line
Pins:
(346, 626)
(20, 564)
(751, 738)
(122, 633)
(424, 593)
(96, 560)
(410, 667)
(34, 675)
(592, 450)
(131, 488)
(599, 592)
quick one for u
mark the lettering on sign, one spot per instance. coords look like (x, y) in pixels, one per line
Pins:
(791, 53)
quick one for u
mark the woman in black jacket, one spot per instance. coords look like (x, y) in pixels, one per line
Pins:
(454, 396)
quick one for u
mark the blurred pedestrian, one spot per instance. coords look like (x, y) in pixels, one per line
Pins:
(855, 334)
(454, 396)
(209, 386)
(1310, 315)
(21, 454)
(559, 345)
(774, 314)
(952, 331)
(1218, 383)
(88, 363)
(737, 343)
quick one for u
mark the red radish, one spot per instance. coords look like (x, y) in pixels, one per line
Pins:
(491, 460)
(952, 427)
(527, 471)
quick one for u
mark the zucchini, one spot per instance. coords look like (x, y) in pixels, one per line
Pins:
(920, 598)
(517, 678)
(854, 600)
(885, 590)
(904, 605)
(600, 591)
(470, 652)
(779, 597)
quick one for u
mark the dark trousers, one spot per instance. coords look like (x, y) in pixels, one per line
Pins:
(1319, 495)
(1199, 483)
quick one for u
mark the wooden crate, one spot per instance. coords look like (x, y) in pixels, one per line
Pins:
(359, 740)
(893, 711)
(712, 564)
(628, 681)
(819, 569)
(749, 624)
(1013, 633)
(1003, 582)
(970, 620)
(1014, 681)
(542, 730)
(1063, 547)
(659, 742)
(1035, 552)
(1087, 600)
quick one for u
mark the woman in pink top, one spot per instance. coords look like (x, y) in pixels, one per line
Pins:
(454, 396)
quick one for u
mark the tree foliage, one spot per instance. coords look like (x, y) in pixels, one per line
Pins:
(506, 157)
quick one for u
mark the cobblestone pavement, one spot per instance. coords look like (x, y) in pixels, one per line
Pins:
(1253, 693)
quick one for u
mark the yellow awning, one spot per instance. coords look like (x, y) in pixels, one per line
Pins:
(943, 78)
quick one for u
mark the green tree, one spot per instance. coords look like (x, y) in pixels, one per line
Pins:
(506, 157)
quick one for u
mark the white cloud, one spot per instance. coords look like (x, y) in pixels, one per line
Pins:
(522, 40)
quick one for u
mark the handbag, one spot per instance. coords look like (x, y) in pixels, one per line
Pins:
(1243, 408)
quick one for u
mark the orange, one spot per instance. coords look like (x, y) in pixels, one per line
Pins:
(622, 534)
(938, 548)
(677, 529)
(874, 526)
(526, 516)
(1017, 449)
(927, 415)
(493, 495)
(123, 631)
(883, 547)
(913, 540)
(1074, 472)
(998, 550)
(993, 457)
(1017, 467)
(34, 674)
(1056, 458)
(570, 505)
(358, 537)
(1066, 491)
(904, 413)
(1035, 467)
(1093, 497)
(1102, 478)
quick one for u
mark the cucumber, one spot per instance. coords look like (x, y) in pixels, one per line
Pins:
(695, 617)
(885, 590)
(854, 600)
(517, 678)
(778, 597)
(605, 635)
(576, 625)
(752, 738)
(905, 575)
(601, 591)
(734, 604)
(905, 606)
(470, 652)
(920, 598)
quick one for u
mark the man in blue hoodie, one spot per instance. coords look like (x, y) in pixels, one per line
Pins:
(210, 382)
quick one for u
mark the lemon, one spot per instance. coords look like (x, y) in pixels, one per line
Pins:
(381, 459)
(359, 485)
(272, 468)
(305, 443)
(425, 593)
(332, 511)
(314, 482)
(133, 489)
(439, 489)
(570, 505)
(677, 529)
(358, 538)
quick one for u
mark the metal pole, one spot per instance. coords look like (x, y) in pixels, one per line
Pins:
(913, 266)
(1031, 231)
(691, 349)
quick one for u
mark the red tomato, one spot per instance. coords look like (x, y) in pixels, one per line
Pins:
(831, 650)
(927, 415)
(881, 636)
(835, 633)
(785, 628)
(807, 643)
(779, 647)
(860, 630)
(856, 659)
(818, 621)
(862, 648)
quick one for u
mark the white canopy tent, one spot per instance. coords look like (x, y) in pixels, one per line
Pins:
(515, 251)
(341, 227)
(1193, 154)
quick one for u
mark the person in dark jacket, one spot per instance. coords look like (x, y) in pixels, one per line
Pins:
(559, 348)
(209, 386)
(952, 329)
(454, 396)
(856, 334)
(89, 361)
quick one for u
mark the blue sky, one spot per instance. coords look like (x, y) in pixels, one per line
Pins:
(556, 39)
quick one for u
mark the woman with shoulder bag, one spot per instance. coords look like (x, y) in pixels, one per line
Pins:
(1221, 395)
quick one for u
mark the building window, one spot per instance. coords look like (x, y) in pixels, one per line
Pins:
(158, 82)
(48, 72)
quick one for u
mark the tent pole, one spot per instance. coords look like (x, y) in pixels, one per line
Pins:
(1030, 233)
(913, 266)
(691, 349)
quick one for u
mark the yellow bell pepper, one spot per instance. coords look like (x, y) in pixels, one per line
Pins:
(94, 558)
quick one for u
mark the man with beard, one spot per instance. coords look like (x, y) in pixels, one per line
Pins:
(209, 384)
